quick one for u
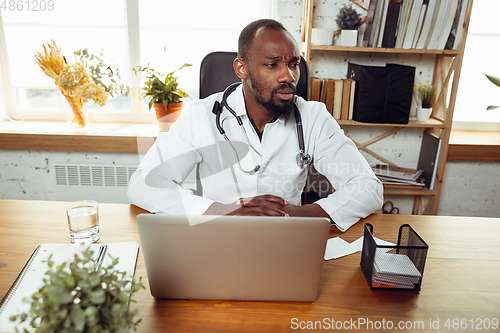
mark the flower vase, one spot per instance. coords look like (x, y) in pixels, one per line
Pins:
(423, 114)
(77, 114)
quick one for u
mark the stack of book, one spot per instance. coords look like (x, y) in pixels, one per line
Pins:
(396, 177)
(414, 24)
(337, 94)
(392, 270)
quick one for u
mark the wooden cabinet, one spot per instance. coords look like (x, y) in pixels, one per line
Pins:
(446, 75)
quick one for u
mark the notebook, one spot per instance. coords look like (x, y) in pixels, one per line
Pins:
(233, 258)
(31, 277)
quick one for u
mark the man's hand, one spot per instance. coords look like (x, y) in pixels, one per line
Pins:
(311, 210)
(263, 205)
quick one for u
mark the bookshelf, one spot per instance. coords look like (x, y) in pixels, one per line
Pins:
(446, 75)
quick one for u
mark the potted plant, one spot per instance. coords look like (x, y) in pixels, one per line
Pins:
(496, 81)
(424, 96)
(348, 20)
(163, 93)
(81, 297)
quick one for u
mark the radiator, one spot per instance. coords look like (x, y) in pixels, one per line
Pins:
(102, 183)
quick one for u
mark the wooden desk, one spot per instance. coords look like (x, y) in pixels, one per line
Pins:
(461, 277)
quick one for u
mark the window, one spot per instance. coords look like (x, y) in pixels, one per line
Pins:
(162, 34)
(475, 91)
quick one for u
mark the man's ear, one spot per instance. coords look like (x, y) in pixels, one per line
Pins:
(240, 68)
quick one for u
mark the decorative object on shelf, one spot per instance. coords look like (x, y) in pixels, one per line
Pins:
(348, 20)
(320, 36)
(76, 84)
(496, 81)
(424, 97)
(164, 95)
(82, 297)
(423, 114)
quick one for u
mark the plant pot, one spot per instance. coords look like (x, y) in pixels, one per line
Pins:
(166, 117)
(348, 37)
(423, 114)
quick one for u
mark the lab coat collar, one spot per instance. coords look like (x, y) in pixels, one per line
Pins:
(237, 101)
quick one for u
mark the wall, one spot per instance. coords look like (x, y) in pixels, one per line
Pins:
(469, 188)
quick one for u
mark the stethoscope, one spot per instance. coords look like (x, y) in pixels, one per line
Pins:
(303, 159)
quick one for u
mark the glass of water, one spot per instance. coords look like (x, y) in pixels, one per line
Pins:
(83, 221)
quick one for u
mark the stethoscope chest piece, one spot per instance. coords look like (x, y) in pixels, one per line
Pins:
(303, 159)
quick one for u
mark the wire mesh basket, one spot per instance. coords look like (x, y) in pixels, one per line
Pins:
(397, 267)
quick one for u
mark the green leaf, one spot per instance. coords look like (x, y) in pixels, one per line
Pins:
(98, 296)
(495, 80)
(77, 317)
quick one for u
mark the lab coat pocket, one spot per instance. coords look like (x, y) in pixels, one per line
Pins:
(294, 181)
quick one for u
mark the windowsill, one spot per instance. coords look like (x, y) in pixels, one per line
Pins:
(97, 137)
(474, 146)
(123, 138)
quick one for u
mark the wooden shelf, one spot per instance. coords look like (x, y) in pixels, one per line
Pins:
(431, 123)
(446, 76)
(450, 53)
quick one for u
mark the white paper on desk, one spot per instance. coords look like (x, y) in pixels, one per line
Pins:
(337, 247)
(31, 278)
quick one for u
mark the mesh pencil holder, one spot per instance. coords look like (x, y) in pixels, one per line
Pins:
(397, 267)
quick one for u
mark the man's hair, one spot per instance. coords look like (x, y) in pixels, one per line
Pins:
(248, 33)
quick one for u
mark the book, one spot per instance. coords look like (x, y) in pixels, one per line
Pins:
(428, 158)
(315, 89)
(419, 25)
(412, 23)
(330, 95)
(396, 173)
(381, 24)
(437, 24)
(369, 22)
(391, 25)
(456, 30)
(351, 99)
(31, 277)
(337, 99)
(323, 91)
(402, 182)
(426, 26)
(346, 98)
(446, 30)
(403, 22)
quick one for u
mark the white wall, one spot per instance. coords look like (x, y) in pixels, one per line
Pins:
(469, 188)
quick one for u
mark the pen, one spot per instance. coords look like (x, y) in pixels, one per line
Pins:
(100, 256)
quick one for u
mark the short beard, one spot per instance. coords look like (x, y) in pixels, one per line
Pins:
(279, 111)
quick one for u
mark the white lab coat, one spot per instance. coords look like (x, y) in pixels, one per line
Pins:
(159, 184)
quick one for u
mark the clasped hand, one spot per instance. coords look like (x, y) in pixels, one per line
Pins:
(262, 205)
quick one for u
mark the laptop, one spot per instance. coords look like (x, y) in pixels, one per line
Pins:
(233, 257)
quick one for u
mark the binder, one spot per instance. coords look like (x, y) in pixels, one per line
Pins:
(31, 277)
(428, 158)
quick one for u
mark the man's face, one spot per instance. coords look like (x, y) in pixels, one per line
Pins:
(273, 70)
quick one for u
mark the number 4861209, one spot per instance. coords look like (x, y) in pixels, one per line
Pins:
(472, 324)
(27, 5)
